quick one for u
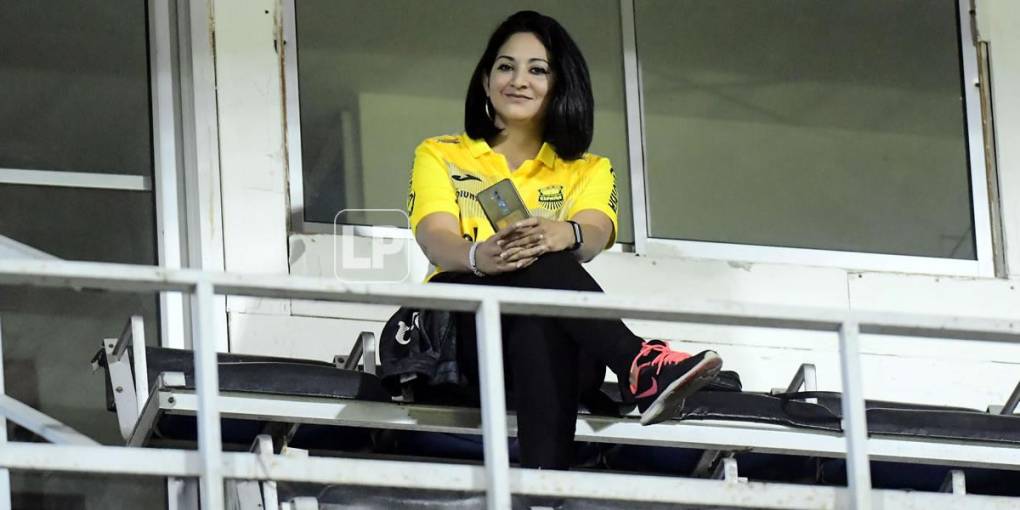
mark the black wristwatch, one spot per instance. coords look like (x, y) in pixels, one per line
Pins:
(578, 236)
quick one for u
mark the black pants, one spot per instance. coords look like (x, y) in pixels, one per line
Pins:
(548, 361)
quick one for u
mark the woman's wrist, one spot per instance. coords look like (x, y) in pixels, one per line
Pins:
(575, 236)
(473, 260)
(565, 237)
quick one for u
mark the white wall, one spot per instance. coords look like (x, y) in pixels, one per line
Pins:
(932, 371)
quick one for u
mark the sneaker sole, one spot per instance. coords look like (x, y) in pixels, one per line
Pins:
(672, 398)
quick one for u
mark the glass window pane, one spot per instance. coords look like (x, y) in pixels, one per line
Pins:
(49, 338)
(49, 490)
(815, 124)
(50, 334)
(81, 224)
(75, 86)
(376, 78)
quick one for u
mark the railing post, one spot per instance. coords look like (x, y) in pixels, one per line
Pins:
(5, 474)
(207, 385)
(855, 425)
(494, 438)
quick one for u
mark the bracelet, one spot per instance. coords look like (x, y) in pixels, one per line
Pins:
(472, 261)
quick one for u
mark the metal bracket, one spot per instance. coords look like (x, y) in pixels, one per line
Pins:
(146, 423)
(294, 453)
(280, 433)
(243, 495)
(805, 377)
(713, 464)
(130, 384)
(367, 339)
(1011, 404)
(263, 447)
(726, 470)
(955, 482)
(706, 463)
(172, 380)
(351, 360)
(254, 494)
(363, 349)
(123, 386)
(134, 333)
(263, 495)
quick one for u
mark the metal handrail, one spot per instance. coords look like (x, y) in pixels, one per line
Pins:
(489, 304)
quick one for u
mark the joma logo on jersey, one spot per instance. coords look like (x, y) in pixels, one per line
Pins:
(551, 197)
(465, 177)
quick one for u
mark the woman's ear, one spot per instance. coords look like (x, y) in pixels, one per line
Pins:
(485, 83)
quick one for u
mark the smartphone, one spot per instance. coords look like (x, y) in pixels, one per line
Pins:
(502, 205)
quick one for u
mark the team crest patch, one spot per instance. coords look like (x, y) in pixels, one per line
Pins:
(551, 197)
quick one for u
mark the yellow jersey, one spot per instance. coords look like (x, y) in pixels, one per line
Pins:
(450, 170)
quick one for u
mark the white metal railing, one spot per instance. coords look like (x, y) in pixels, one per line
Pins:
(212, 465)
(5, 474)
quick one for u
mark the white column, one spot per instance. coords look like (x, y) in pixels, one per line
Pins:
(490, 373)
(855, 426)
(5, 475)
(635, 126)
(200, 149)
(166, 161)
(997, 24)
(210, 442)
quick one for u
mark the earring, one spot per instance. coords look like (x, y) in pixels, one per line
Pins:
(487, 112)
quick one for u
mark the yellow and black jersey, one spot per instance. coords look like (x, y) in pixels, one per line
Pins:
(450, 170)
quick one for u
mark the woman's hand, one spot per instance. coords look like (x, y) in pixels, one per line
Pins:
(531, 238)
(490, 256)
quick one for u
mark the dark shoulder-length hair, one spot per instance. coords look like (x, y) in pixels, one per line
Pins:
(569, 118)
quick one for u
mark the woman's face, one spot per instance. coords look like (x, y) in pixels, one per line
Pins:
(520, 81)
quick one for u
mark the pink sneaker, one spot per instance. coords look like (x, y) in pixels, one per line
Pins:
(665, 378)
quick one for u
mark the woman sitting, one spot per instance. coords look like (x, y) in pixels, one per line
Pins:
(529, 118)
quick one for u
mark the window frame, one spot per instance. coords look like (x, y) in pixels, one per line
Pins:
(646, 244)
(164, 108)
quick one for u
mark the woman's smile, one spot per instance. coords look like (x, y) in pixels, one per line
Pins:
(513, 96)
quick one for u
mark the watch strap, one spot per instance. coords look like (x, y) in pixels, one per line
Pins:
(578, 235)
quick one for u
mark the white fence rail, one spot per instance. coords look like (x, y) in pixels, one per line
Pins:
(212, 465)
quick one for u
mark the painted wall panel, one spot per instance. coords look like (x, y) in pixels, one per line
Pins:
(298, 337)
(252, 164)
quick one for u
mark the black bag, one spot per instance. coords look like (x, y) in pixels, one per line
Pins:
(421, 346)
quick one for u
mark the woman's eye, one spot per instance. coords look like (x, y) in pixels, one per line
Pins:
(504, 67)
(539, 70)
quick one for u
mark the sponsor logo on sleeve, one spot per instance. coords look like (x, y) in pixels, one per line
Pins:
(614, 197)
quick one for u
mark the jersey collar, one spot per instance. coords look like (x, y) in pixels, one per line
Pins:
(546, 155)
